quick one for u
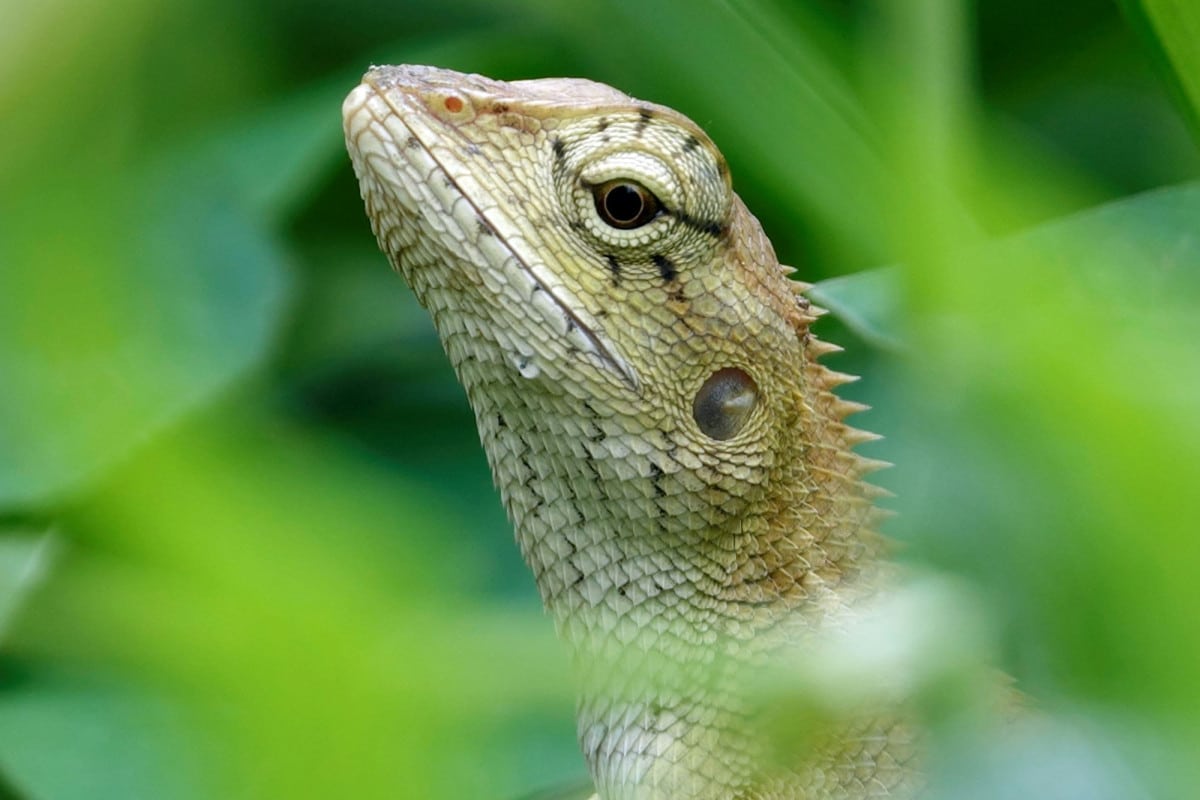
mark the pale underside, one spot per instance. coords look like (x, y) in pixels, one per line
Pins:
(646, 387)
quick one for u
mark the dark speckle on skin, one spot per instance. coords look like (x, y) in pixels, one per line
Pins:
(666, 268)
(614, 269)
(705, 226)
(644, 117)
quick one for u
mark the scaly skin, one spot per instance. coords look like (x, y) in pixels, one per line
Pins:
(680, 535)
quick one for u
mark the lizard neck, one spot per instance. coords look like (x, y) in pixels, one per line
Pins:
(669, 588)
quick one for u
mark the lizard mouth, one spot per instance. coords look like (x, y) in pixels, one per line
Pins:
(396, 120)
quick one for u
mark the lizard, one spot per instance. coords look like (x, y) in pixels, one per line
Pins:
(672, 455)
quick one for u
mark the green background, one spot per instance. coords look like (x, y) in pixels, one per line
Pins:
(248, 542)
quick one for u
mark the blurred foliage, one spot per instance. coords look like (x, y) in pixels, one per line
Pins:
(248, 544)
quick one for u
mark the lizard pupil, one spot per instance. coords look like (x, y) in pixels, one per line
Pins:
(724, 403)
(625, 204)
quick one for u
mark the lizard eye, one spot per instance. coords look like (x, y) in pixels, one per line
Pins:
(724, 403)
(624, 204)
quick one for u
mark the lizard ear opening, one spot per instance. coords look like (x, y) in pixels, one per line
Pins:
(724, 403)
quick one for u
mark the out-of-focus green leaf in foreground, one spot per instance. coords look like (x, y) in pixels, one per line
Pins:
(254, 579)
(1049, 442)
(1047, 436)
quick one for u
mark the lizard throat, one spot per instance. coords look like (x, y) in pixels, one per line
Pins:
(394, 129)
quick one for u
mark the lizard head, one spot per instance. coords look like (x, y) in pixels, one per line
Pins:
(640, 367)
(578, 248)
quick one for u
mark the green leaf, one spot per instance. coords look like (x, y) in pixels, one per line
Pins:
(1152, 236)
(144, 308)
(1060, 372)
(72, 738)
(867, 303)
(25, 557)
(167, 286)
(1172, 31)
